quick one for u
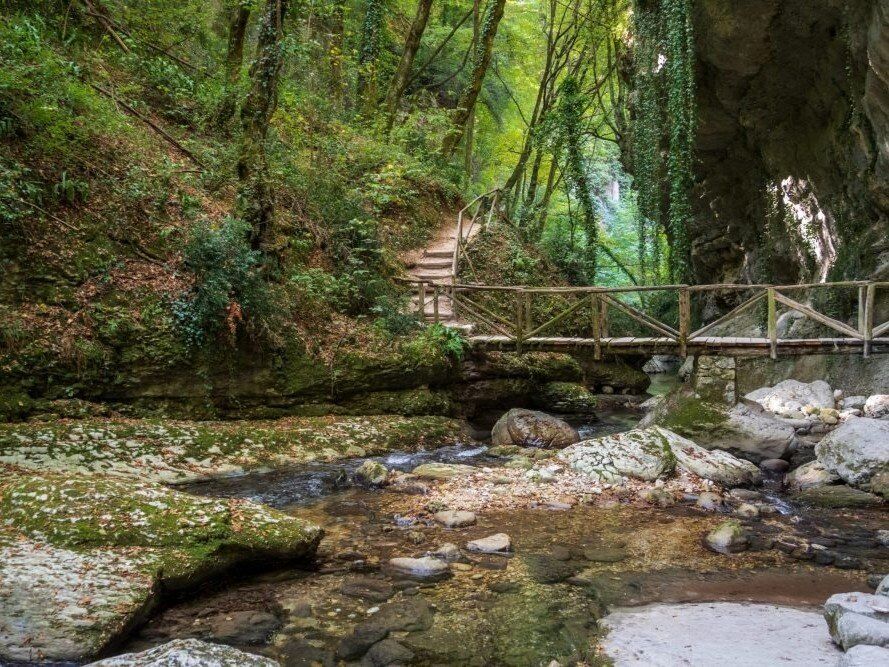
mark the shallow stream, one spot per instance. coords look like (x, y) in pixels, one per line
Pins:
(541, 602)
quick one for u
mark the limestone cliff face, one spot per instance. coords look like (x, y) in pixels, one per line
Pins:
(793, 141)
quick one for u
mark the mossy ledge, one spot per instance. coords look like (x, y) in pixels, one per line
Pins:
(182, 452)
(86, 558)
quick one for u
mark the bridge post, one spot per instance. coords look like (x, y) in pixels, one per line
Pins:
(421, 301)
(435, 290)
(867, 330)
(772, 323)
(597, 334)
(519, 317)
(684, 320)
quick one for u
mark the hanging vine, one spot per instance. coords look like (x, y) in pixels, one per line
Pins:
(569, 118)
(371, 38)
(665, 118)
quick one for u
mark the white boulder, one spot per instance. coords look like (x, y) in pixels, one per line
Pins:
(187, 653)
(788, 398)
(877, 406)
(857, 451)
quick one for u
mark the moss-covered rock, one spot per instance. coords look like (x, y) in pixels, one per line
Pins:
(566, 398)
(116, 544)
(745, 430)
(538, 366)
(179, 452)
(408, 402)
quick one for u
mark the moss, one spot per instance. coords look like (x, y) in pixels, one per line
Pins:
(182, 451)
(539, 366)
(566, 397)
(408, 402)
(687, 415)
(186, 535)
(14, 403)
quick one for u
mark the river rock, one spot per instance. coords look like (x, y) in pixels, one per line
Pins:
(709, 501)
(71, 599)
(442, 471)
(187, 652)
(883, 586)
(727, 538)
(745, 430)
(374, 590)
(864, 604)
(493, 544)
(864, 656)
(659, 497)
(387, 652)
(854, 402)
(448, 552)
(427, 567)
(855, 629)
(566, 398)
(241, 627)
(857, 451)
(711, 634)
(877, 406)
(837, 495)
(372, 473)
(530, 428)
(641, 453)
(455, 518)
(716, 465)
(788, 398)
(810, 475)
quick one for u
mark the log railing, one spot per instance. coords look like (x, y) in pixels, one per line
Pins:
(586, 315)
(479, 211)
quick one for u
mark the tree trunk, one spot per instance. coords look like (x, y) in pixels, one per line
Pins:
(237, 29)
(403, 72)
(255, 202)
(483, 52)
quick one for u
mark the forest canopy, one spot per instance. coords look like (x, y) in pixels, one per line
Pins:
(278, 157)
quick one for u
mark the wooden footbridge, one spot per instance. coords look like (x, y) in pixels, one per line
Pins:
(646, 320)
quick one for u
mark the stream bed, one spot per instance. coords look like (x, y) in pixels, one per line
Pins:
(543, 601)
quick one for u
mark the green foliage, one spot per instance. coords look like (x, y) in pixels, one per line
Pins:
(664, 126)
(228, 287)
(447, 342)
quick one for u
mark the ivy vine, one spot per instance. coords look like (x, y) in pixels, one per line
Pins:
(664, 127)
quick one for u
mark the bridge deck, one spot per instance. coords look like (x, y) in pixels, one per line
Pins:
(704, 345)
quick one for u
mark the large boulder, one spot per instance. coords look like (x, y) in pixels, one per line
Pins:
(858, 451)
(530, 428)
(810, 475)
(715, 465)
(98, 551)
(877, 406)
(862, 605)
(745, 430)
(641, 453)
(185, 653)
(788, 398)
(653, 452)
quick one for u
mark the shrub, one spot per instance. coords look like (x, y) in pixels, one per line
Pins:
(228, 288)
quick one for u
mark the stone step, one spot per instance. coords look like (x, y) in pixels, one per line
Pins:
(434, 264)
(439, 253)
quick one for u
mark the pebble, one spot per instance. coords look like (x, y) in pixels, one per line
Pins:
(425, 567)
(455, 518)
(709, 501)
(497, 543)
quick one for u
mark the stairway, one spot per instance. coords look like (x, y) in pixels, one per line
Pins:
(435, 265)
